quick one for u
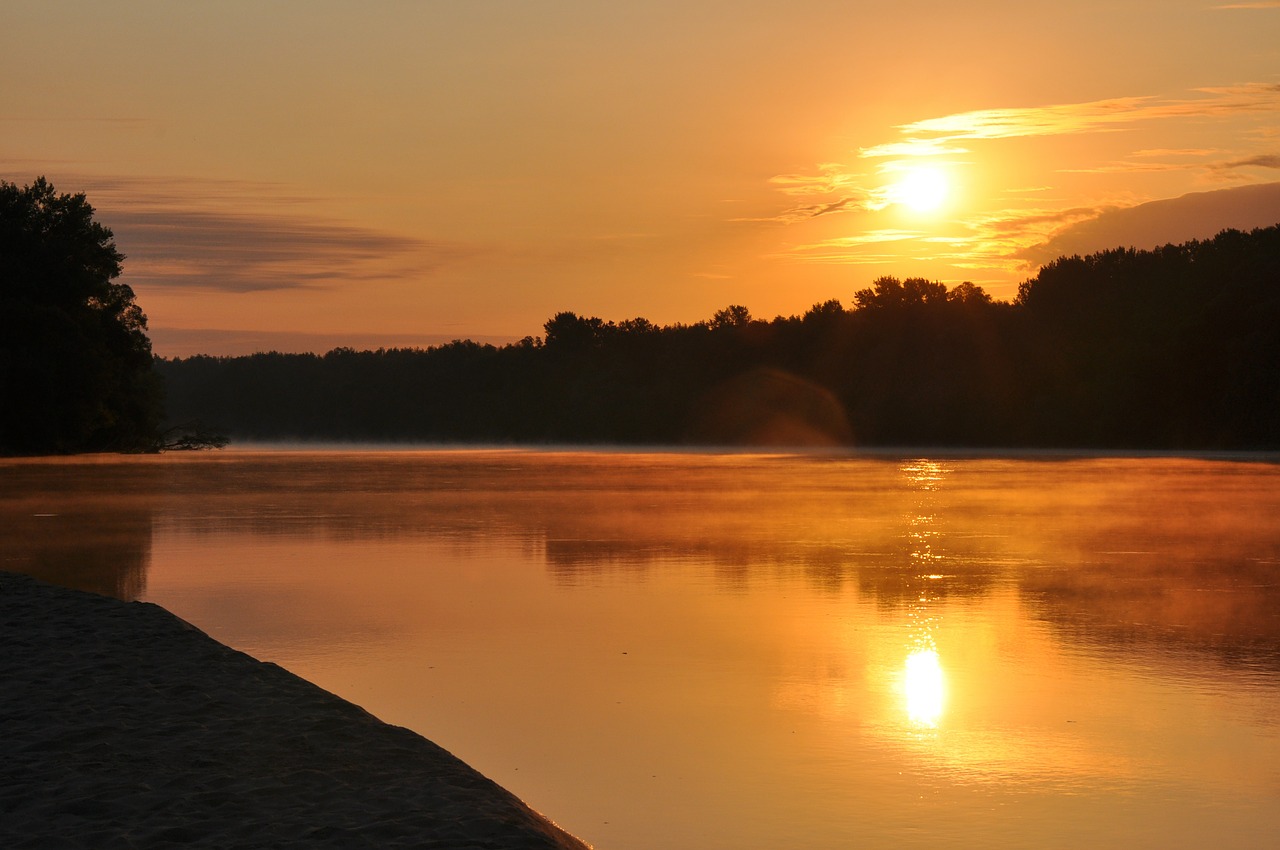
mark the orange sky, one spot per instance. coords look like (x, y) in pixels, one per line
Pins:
(299, 175)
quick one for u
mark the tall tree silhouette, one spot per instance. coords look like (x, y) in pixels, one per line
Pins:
(75, 360)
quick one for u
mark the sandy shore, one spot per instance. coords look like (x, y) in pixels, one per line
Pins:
(123, 726)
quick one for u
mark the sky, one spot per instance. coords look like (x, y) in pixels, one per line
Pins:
(298, 175)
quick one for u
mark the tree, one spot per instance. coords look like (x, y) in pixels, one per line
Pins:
(968, 294)
(75, 361)
(825, 311)
(733, 316)
(569, 332)
(889, 293)
(638, 326)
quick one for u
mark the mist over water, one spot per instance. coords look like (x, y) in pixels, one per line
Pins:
(742, 651)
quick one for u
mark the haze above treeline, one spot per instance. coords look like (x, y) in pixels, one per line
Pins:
(1175, 348)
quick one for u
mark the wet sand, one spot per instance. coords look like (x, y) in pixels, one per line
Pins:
(123, 726)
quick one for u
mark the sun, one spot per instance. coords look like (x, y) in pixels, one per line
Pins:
(925, 687)
(922, 189)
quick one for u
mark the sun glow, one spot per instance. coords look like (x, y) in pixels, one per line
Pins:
(924, 687)
(922, 189)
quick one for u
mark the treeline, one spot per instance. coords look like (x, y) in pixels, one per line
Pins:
(1176, 348)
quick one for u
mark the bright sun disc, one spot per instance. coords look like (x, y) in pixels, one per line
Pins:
(924, 687)
(921, 189)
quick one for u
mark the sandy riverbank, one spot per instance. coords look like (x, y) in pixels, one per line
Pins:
(123, 726)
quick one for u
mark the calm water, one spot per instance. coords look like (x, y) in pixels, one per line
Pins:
(730, 651)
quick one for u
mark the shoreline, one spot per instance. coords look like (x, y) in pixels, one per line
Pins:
(124, 726)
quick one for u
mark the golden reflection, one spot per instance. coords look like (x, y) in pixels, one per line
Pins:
(923, 474)
(925, 687)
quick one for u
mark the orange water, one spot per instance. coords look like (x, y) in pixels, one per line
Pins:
(743, 651)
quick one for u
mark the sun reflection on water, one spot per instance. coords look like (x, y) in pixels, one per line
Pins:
(925, 687)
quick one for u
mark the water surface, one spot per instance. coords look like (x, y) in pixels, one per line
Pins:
(742, 651)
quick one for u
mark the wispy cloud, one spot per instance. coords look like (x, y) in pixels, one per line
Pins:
(1000, 238)
(1027, 121)
(237, 236)
(1168, 152)
(1220, 101)
(1123, 167)
(1091, 116)
(1266, 160)
(1022, 239)
(1265, 4)
(833, 184)
(856, 248)
(1198, 215)
(252, 252)
(808, 211)
(830, 178)
(913, 148)
(1034, 221)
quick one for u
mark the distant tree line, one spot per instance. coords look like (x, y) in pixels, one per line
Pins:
(1175, 348)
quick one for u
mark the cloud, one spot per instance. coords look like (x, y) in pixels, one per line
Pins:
(832, 178)
(254, 252)
(241, 236)
(852, 249)
(1018, 226)
(1266, 4)
(1260, 161)
(1029, 121)
(1090, 116)
(913, 147)
(1035, 223)
(997, 239)
(808, 211)
(1200, 152)
(1199, 215)
(831, 185)
(1127, 168)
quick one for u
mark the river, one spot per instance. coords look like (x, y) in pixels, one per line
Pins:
(717, 650)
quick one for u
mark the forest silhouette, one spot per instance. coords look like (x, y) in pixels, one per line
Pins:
(1176, 348)
(76, 369)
